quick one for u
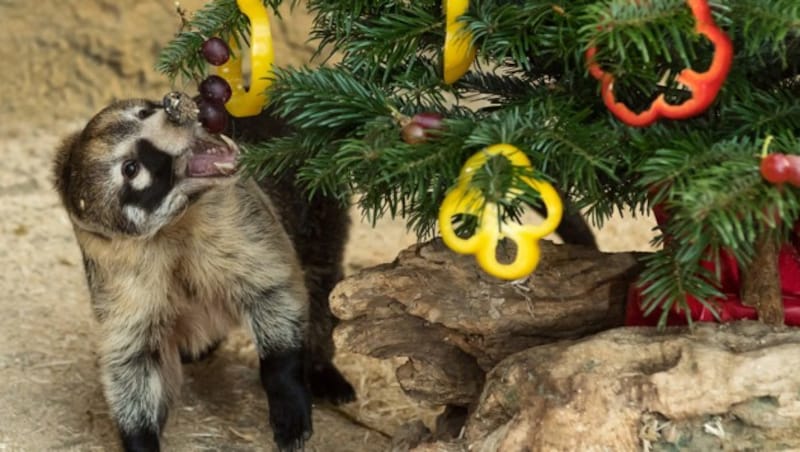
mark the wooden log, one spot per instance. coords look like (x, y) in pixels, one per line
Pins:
(454, 322)
(713, 387)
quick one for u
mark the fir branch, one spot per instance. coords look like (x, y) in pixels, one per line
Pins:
(218, 18)
(717, 197)
(508, 30)
(766, 25)
(763, 112)
(629, 34)
(337, 23)
(181, 56)
(417, 85)
(666, 281)
(534, 35)
(279, 155)
(391, 38)
(327, 98)
(496, 88)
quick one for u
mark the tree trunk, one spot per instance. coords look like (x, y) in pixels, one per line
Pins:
(761, 284)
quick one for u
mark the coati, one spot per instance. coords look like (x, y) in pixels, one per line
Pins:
(178, 249)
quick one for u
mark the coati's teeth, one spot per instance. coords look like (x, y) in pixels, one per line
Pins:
(231, 145)
(225, 167)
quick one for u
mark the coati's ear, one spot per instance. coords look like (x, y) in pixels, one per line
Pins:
(62, 165)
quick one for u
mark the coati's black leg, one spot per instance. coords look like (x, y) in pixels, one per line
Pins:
(278, 319)
(283, 379)
(321, 248)
(574, 230)
(140, 441)
(327, 383)
(139, 385)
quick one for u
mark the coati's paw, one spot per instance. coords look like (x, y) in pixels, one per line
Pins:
(187, 358)
(143, 441)
(290, 419)
(327, 383)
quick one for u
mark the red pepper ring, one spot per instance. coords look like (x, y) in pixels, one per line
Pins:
(704, 86)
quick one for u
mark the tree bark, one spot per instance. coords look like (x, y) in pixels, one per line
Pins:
(453, 323)
(761, 284)
(715, 387)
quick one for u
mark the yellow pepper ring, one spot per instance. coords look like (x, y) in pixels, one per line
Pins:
(458, 51)
(483, 243)
(250, 102)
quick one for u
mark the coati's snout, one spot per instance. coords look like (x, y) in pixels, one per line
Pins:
(207, 155)
(138, 164)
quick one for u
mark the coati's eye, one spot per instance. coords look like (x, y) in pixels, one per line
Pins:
(130, 169)
(144, 113)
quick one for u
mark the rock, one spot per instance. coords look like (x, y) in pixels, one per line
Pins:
(454, 323)
(715, 387)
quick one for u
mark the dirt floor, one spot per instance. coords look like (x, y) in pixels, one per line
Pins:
(64, 60)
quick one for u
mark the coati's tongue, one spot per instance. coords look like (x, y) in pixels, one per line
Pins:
(209, 165)
(211, 159)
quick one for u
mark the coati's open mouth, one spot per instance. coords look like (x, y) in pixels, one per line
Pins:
(212, 158)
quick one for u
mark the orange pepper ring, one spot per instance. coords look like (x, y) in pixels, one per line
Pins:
(704, 86)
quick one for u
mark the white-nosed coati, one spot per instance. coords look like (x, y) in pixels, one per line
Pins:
(178, 249)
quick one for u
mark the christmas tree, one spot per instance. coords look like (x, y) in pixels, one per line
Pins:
(689, 107)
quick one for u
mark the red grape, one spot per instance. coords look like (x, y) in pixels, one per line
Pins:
(418, 129)
(774, 168)
(215, 51)
(212, 116)
(428, 120)
(215, 89)
(413, 133)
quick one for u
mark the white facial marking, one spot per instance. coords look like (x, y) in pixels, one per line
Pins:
(142, 180)
(170, 139)
(135, 214)
(148, 223)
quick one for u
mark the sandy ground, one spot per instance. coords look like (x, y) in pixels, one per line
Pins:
(64, 60)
